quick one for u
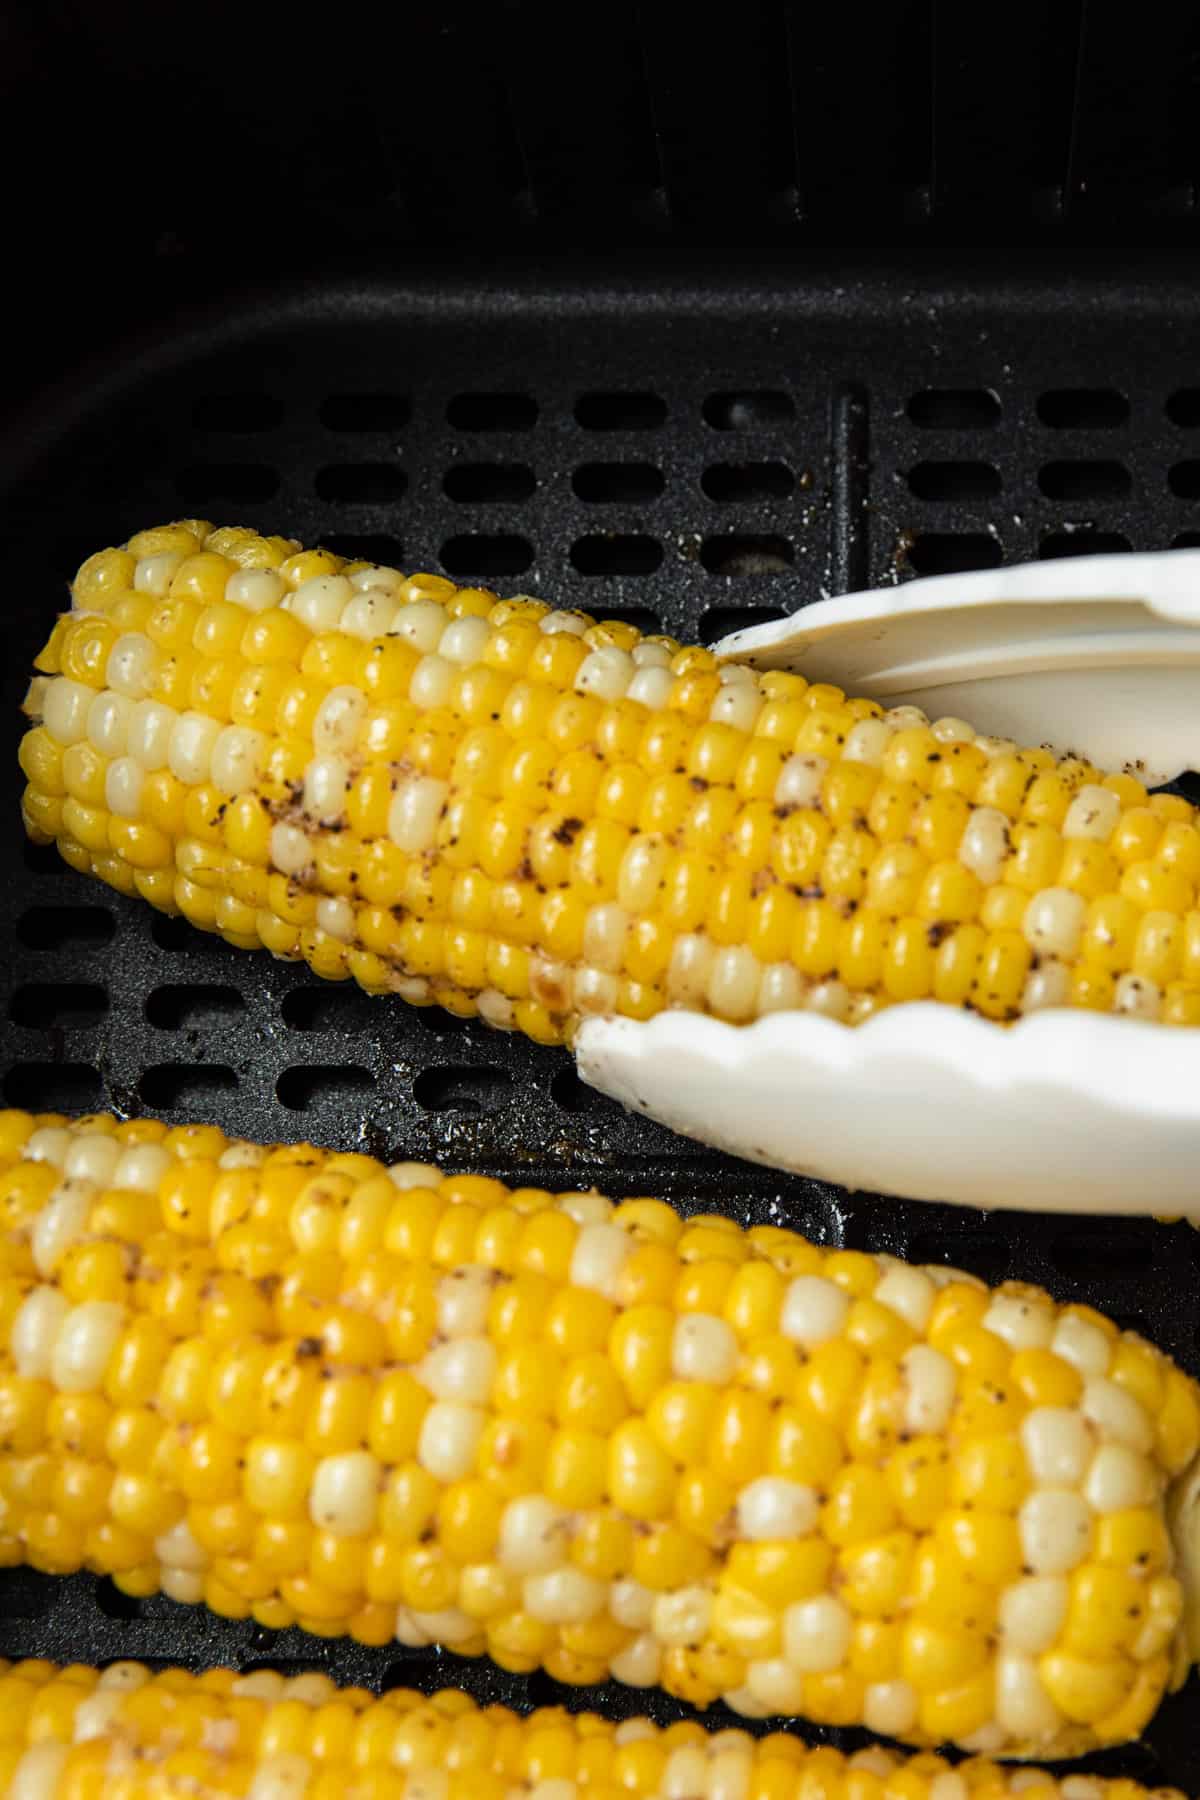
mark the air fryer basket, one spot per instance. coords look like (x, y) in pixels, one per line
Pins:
(691, 453)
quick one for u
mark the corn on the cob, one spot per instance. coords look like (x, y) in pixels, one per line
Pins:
(527, 815)
(593, 1437)
(77, 1734)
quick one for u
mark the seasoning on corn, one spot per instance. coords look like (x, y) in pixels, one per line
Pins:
(127, 1732)
(587, 1436)
(527, 815)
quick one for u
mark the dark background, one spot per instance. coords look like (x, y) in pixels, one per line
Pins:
(680, 325)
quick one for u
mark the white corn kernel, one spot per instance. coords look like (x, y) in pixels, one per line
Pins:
(241, 1155)
(124, 780)
(1138, 997)
(952, 731)
(154, 574)
(86, 1339)
(1082, 1344)
(816, 1634)
(1033, 1613)
(49, 1144)
(108, 722)
(34, 1331)
(571, 622)
(96, 1716)
(414, 1175)
(651, 687)
(38, 1773)
(236, 758)
(448, 1440)
(91, 1156)
(283, 1777)
(326, 784)
(630, 1604)
(1058, 1444)
(291, 850)
(594, 991)
(496, 1009)
(1047, 985)
(462, 1369)
(906, 718)
(996, 746)
(130, 664)
(255, 589)
(431, 682)
(639, 1663)
(189, 753)
(906, 1291)
(60, 1223)
(1023, 1707)
(780, 989)
(369, 615)
(142, 1167)
(774, 1686)
(604, 931)
(123, 1677)
(930, 1385)
(378, 578)
(703, 1348)
(344, 1497)
(464, 641)
(182, 1585)
(773, 1507)
(179, 1549)
(320, 601)
(1025, 1320)
(599, 1255)
(799, 782)
(738, 704)
(535, 1535)
(421, 624)
(688, 969)
(606, 674)
(814, 1310)
(563, 1596)
(651, 656)
(1056, 1530)
(890, 1708)
(1093, 813)
(1053, 922)
(151, 728)
(65, 710)
(337, 722)
(729, 1772)
(829, 998)
(984, 845)
(1117, 1415)
(1119, 1478)
(464, 1297)
(587, 1209)
(335, 917)
(733, 978)
(866, 742)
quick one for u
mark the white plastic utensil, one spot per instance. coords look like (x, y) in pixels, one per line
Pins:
(1064, 1111)
(1094, 654)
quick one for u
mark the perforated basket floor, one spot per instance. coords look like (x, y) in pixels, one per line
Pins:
(689, 454)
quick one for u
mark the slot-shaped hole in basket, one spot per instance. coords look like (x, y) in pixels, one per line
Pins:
(1087, 541)
(499, 553)
(952, 552)
(310, 1084)
(463, 1089)
(1183, 407)
(342, 1008)
(618, 483)
(620, 411)
(58, 1006)
(497, 484)
(175, 1007)
(751, 409)
(365, 412)
(955, 409)
(1084, 480)
(1095, 1255)
(1083, 409)
(363, 484)
(492, 412)
(185, 1084)
(737, 554)
(745, 483)
(61, 927)
(574, 1095)
(54, 1087)
(616, 554)
(954, 480)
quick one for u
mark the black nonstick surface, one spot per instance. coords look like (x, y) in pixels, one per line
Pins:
(691, 451)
